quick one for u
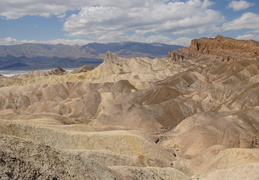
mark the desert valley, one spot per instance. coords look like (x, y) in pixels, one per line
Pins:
(193, 114)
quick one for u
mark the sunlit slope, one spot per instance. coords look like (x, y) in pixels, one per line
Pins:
(193, 114)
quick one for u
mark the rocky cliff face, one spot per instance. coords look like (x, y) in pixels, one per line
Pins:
(191, 115)
(220, 48)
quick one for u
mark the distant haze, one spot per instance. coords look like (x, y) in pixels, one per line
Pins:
(9, 73)
(43, 56)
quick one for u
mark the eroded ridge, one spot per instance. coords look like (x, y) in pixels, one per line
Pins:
(191, 115)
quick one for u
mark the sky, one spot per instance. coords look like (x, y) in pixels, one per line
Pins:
(151, 21)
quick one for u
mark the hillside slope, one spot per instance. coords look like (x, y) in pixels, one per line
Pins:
(191, 115)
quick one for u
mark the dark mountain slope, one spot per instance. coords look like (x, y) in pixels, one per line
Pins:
(38, 56)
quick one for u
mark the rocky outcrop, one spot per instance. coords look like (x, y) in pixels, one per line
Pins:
(57, 71)
(84, 68)
(226, 49)
(220, 48)
(24, 159)
(36, 74)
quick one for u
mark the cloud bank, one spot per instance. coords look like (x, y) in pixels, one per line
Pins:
(13, 41)
(246, 21)
(146, 20)
(120, 20)
(163, 21)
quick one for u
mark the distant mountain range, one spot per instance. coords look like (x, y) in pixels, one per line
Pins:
(41, 56)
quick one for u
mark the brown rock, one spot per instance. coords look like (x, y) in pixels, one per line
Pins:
(84, 68)
(220, 48)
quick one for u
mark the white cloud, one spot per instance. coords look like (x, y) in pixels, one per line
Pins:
(170, 18)
(249, 36)
(207, 3)
(120, 20)
(240, 5)
(183, 41)
(158, 39)
(8, 41)
(13, 9)
(13, 41)
(246, 21)
(245, 36)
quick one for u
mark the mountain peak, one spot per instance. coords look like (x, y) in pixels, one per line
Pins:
(109, 55)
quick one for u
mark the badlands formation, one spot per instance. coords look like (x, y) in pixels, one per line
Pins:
(191, 115)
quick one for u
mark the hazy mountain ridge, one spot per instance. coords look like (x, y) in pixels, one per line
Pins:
(26, 56)
(152, 50)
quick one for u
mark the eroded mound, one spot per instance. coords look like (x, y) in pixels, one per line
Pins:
(191, 115)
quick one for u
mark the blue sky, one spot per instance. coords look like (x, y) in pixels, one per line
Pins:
(161, 21)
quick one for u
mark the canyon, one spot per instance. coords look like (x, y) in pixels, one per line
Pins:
(193, 114)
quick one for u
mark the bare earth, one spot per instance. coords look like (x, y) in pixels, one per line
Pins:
(191, 115)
